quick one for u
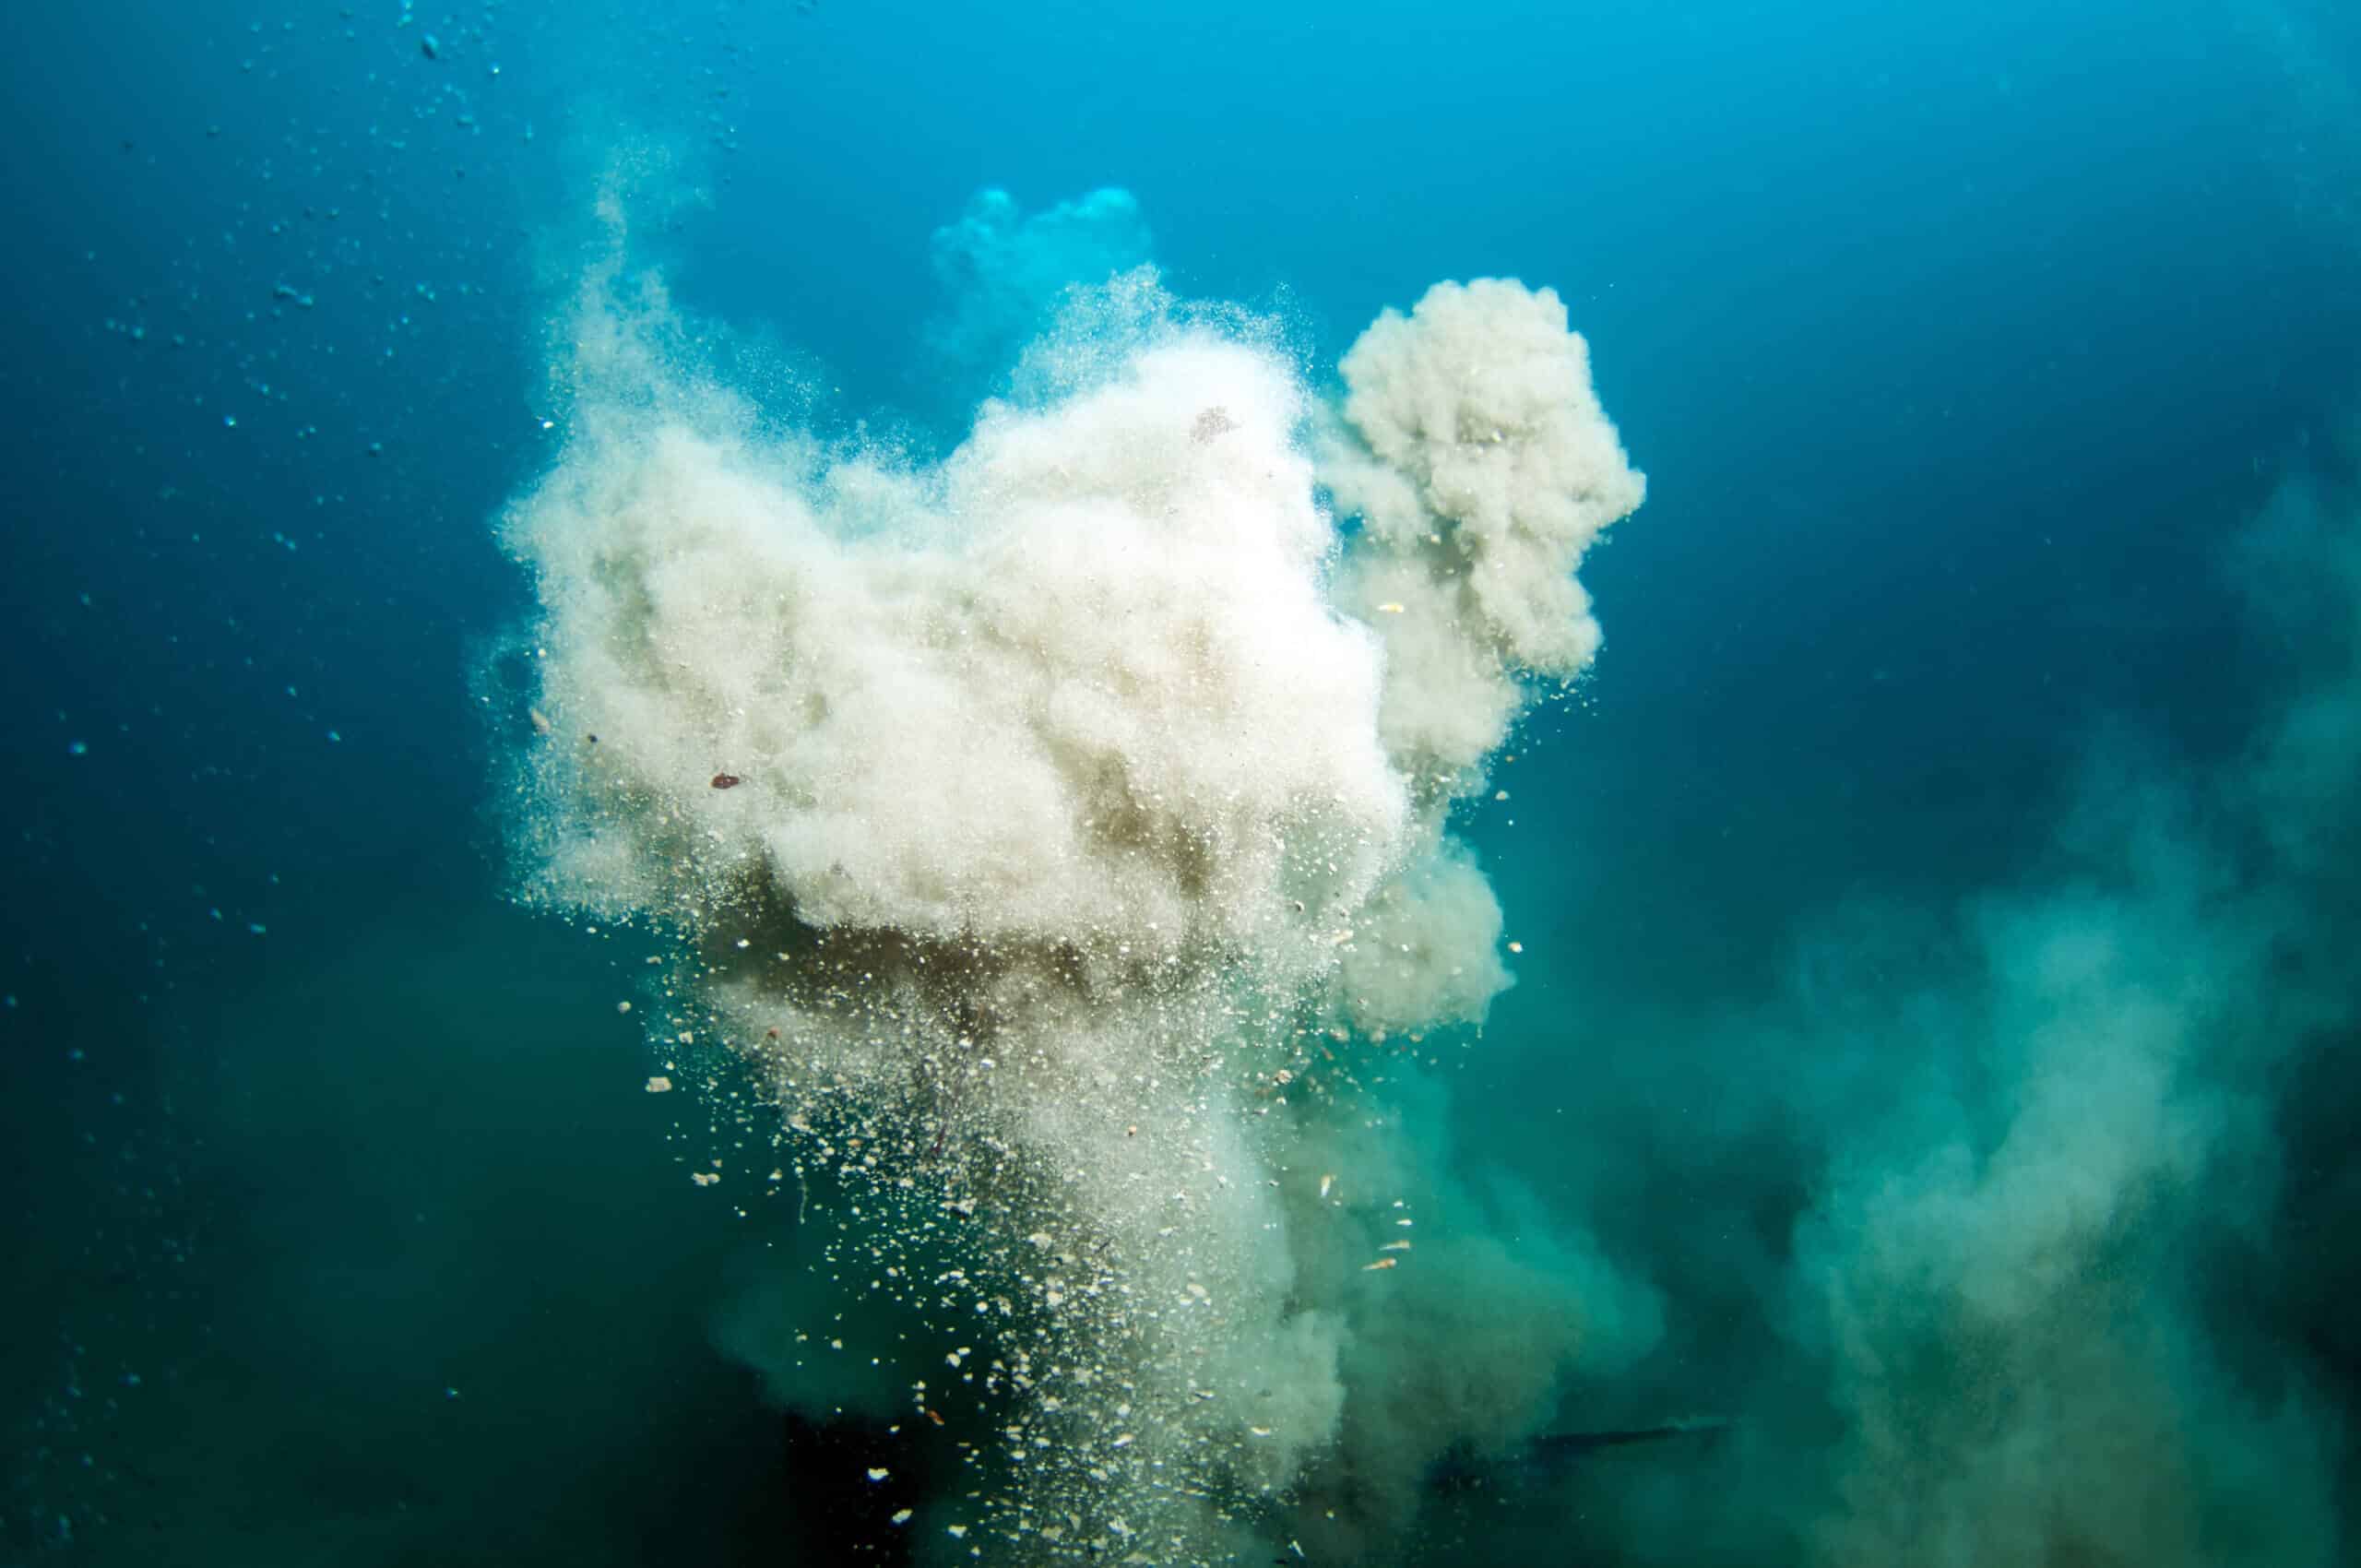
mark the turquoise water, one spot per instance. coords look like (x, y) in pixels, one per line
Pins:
(1874, 1029)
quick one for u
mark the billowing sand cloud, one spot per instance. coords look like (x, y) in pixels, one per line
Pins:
(1052, 829)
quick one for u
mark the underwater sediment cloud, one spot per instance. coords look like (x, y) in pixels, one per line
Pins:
(1057, 839)
(1059, 832)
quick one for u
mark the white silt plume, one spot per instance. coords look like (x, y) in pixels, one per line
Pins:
(1030, 822)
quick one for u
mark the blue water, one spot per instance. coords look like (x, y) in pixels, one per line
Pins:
(1961, 345)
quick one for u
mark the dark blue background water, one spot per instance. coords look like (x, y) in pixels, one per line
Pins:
(1955, 340)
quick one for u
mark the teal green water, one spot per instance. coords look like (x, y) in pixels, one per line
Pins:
(1927, 1053)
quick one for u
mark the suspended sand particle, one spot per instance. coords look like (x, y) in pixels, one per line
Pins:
(1381, 1263)
(1212, 422)
(1325, 1182)
(659, 1083)
(704, 1178)
(879, 1474)
(1395, 1247)
(1389, 608)
(901, 1515)
(1516, 946)
(623, 1006)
